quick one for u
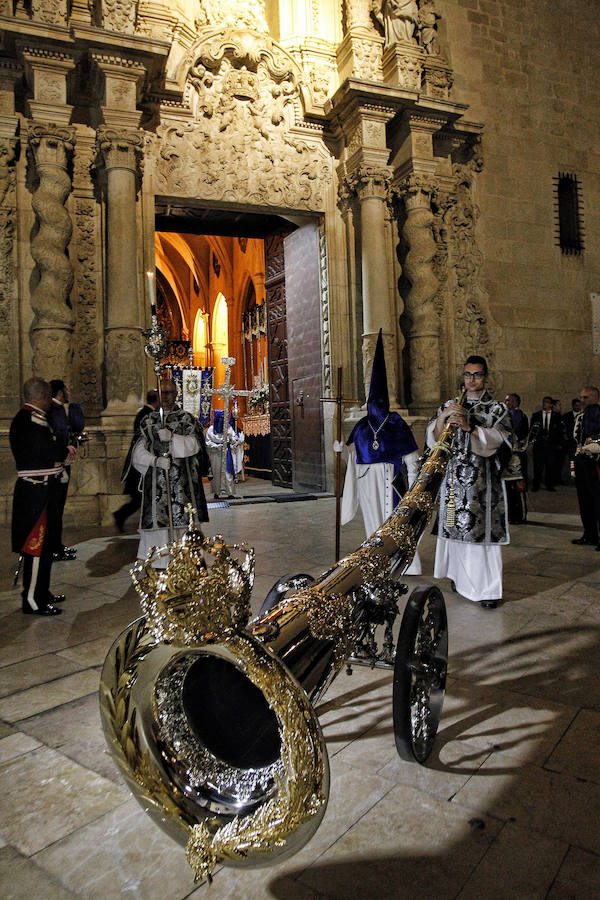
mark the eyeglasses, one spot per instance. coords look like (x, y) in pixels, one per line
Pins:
(473, 374)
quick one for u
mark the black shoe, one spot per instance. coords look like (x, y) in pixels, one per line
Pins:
(582, 541)
(47, 610)
(64, 554)
(489, 604)
(119, 523)
(453, 586)
(56, 598)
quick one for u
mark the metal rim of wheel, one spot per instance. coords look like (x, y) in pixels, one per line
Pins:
(420, 673)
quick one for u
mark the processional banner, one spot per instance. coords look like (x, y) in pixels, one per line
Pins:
(194, 385)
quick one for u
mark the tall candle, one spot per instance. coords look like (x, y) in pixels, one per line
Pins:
(151, 291)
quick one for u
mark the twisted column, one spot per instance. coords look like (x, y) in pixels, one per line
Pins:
(50, 148)
(372, 187)
(423, 337)
(121, 153)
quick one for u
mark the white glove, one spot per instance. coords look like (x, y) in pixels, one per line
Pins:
(338, 446)
(164, 434)
(163, 462)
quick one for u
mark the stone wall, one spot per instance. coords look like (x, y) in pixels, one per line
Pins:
(527, 71)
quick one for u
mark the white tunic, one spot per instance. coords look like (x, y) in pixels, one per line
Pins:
(370, 487)
(475, 568)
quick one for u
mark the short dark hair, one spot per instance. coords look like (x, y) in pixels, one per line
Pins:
(477, 361)
(574, 401)
(517, 398)
(152, 396)
(547, 397)
(56, 385)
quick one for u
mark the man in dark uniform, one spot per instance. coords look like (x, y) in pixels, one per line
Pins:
(587, 436)
(40, 456)
(546, 431)
(130, 477)
(67, 421)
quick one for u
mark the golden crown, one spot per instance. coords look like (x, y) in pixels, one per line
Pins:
(203, 594)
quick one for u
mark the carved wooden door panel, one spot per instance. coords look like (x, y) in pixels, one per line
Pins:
(281, 418)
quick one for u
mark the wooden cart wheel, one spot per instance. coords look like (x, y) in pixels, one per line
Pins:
(420, 673)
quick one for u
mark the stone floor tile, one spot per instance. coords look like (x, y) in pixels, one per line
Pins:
(75, 729)
(89, 653)
(46, 796)
(519, 863)
(16, 744)
(553, 804)
(578, 751)
(21, 676)
(120, 853)
(578, 878)
(23, 879)
(34, 700)
(410, 842)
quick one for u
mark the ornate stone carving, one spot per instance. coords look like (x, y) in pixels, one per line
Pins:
(357, 13)
(243, 144)
(367, 59)
(86, 296)
(474, 329)
(120, 148)
(367, 181)
(119, 15)
(124, 351)
(248, 14)
(397, 18)
(50, 149)
(7, 262)
(50, 12)
(427, 27)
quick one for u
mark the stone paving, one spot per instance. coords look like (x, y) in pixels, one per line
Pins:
(507, 806)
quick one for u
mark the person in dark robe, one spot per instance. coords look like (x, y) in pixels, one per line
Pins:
(130, 477)
(171, 456)
(40, 457)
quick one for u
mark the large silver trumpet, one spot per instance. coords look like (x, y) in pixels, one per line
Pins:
(211, 721)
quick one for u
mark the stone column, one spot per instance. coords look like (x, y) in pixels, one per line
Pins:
(372, 190)
(121, 153)
(423, 337)
(51, 148)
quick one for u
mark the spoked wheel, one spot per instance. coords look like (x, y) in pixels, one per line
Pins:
(281, 588)
(420, 673)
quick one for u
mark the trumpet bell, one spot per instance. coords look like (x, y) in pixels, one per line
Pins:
(218, 743)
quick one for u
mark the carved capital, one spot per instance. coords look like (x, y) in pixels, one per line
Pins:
(120, 149)
(367, 182)
(51, 145)
(416, 190)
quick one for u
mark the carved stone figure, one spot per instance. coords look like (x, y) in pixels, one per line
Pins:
(398, 18)
(233, 13)
(427, 21)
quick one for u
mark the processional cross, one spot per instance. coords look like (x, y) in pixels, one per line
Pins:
(339, 400)
(228, 392)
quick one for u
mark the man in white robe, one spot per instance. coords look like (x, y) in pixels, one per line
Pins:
(472, 522)
(214, 445)
(378, 447)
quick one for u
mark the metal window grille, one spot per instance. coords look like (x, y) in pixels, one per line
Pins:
(568, 212)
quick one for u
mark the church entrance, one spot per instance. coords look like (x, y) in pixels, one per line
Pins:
(247, 286)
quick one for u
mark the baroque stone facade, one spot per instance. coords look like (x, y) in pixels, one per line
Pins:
(430, 182)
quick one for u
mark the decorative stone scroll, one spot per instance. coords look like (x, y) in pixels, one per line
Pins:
(248, 14)
(50, 149)
(119, 15)
(50, 12)
(243, 144)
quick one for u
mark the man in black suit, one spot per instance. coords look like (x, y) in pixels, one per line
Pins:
(587, 436)
(547, 442)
